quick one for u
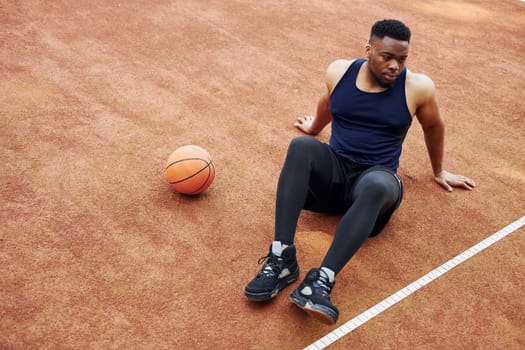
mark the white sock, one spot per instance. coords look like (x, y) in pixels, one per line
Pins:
(277, 248)
(330, 274)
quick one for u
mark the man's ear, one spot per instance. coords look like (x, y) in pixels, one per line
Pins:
(368, 49)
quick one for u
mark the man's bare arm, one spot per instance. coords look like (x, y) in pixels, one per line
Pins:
(433, 126)
(314, 125)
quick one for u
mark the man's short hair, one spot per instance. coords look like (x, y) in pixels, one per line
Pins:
(392, 28)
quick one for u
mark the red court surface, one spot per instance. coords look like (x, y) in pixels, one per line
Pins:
(97, 252)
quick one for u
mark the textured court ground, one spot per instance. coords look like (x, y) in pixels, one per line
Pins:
(96, 252)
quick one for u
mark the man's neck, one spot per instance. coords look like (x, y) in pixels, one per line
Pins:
(370, 82)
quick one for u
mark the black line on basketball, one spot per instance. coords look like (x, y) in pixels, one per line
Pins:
(185, 159)
(194, 174)
(205, 182)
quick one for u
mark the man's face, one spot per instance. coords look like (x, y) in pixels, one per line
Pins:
(386, 59)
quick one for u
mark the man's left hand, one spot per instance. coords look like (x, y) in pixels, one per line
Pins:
(448, 180)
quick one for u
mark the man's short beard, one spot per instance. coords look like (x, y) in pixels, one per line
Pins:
(378, 80)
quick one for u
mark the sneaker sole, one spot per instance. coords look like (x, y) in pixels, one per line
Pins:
(270, 295)
(319, 312)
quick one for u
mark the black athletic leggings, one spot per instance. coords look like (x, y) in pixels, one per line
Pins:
(315, 178)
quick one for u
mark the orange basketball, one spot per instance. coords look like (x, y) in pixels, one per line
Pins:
(190, 170)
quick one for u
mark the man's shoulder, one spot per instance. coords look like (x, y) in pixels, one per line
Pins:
(419, 81)
(340, 65)
(336, 70)
(420, 88)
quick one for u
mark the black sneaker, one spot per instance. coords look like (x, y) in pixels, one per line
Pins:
(275, 274)
(313, 296)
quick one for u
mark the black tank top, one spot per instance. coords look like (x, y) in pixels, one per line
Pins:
(369, 128)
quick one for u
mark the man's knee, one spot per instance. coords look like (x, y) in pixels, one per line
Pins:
(303, 147)
(378, 184)
(303, 143)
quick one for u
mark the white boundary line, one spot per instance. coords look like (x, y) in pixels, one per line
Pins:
(414, 286)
